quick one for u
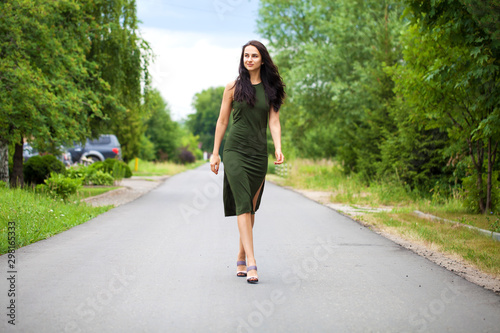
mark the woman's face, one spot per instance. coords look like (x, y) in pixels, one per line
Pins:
(252, 58)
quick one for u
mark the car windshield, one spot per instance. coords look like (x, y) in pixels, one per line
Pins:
(103, 140)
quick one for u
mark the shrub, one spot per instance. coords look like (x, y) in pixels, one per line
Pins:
(101, 173)
(472, 192)
(59, 186)
(118, 169)
(39, 168)
(185, 156)
(100, 178)
(97, 166)
(77, 172)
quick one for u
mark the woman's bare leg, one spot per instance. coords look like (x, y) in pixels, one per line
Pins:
(245, 225)
(246, 238)
(241, 253)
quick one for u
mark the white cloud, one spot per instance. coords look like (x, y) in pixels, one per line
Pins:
(189, 62)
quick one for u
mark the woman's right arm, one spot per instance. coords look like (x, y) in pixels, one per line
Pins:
(220, 129)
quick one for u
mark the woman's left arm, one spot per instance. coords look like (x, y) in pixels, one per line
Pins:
(275, 127)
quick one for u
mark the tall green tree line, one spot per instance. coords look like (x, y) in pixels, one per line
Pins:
(203, 121)
(403, 90)
(69, 70)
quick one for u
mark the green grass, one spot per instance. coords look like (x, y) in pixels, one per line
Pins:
(478, 249)
(38, 217)
(92, 191)
(146, 168)
(485, 222)
(475, 248)
(326, 175)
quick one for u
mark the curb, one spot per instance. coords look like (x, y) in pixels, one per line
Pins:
(97, 197)
(493, 235)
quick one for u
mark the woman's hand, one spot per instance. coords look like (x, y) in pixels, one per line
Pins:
(214, 163)
(279, 157)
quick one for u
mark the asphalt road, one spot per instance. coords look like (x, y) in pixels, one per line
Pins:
(166, 262)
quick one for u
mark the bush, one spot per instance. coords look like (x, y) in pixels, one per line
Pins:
(59, 186)
(100, 178)
(91, 175)
(97, 166)
(472, 192)
(39, 168)
(77, 172)
(117, 169)
(185, 156)
(101, 173)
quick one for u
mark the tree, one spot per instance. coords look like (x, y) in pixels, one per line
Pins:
(452, 74)
(70, 70)
(122, 57)
(46, 83)
(332, 57)
(203, 121)
(161, 130)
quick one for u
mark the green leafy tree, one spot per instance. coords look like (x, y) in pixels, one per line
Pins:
(332, 57)
(70, 70)
(189, 149)
(203, 121)
(161, 130)
(452, 74)
(47, 86)
(122, 58)
(413, 154)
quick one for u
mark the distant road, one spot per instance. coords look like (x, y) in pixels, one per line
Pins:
(166, 262)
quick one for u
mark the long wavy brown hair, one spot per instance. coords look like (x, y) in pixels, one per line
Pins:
(271, 79)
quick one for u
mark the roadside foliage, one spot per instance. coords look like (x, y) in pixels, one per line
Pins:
(396, 91)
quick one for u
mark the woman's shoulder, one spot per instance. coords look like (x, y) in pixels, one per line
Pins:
(230, 86)
(229, 91)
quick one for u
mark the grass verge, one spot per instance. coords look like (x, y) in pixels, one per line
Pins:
(146, 168)
(472, 246)
(476, 249)
(326, 175)
(37, 217)
(92, 191)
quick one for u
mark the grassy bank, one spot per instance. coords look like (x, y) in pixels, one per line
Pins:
(478, 250)
(475, 248)
(38, 217)
(146, 168)
(92, 191)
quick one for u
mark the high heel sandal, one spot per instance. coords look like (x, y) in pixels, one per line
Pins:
(241, 273)
(252, 279)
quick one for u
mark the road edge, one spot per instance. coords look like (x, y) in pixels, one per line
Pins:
(452, 263)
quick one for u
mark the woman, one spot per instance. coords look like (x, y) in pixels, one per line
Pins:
(255, 98)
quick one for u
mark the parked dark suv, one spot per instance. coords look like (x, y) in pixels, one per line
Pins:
(106, 146)
(65, 156)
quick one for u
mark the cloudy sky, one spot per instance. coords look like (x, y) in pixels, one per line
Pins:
(197, 44)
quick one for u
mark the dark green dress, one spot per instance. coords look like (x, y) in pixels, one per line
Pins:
(245, 155)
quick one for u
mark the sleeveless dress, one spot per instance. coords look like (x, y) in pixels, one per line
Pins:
(245, 155)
